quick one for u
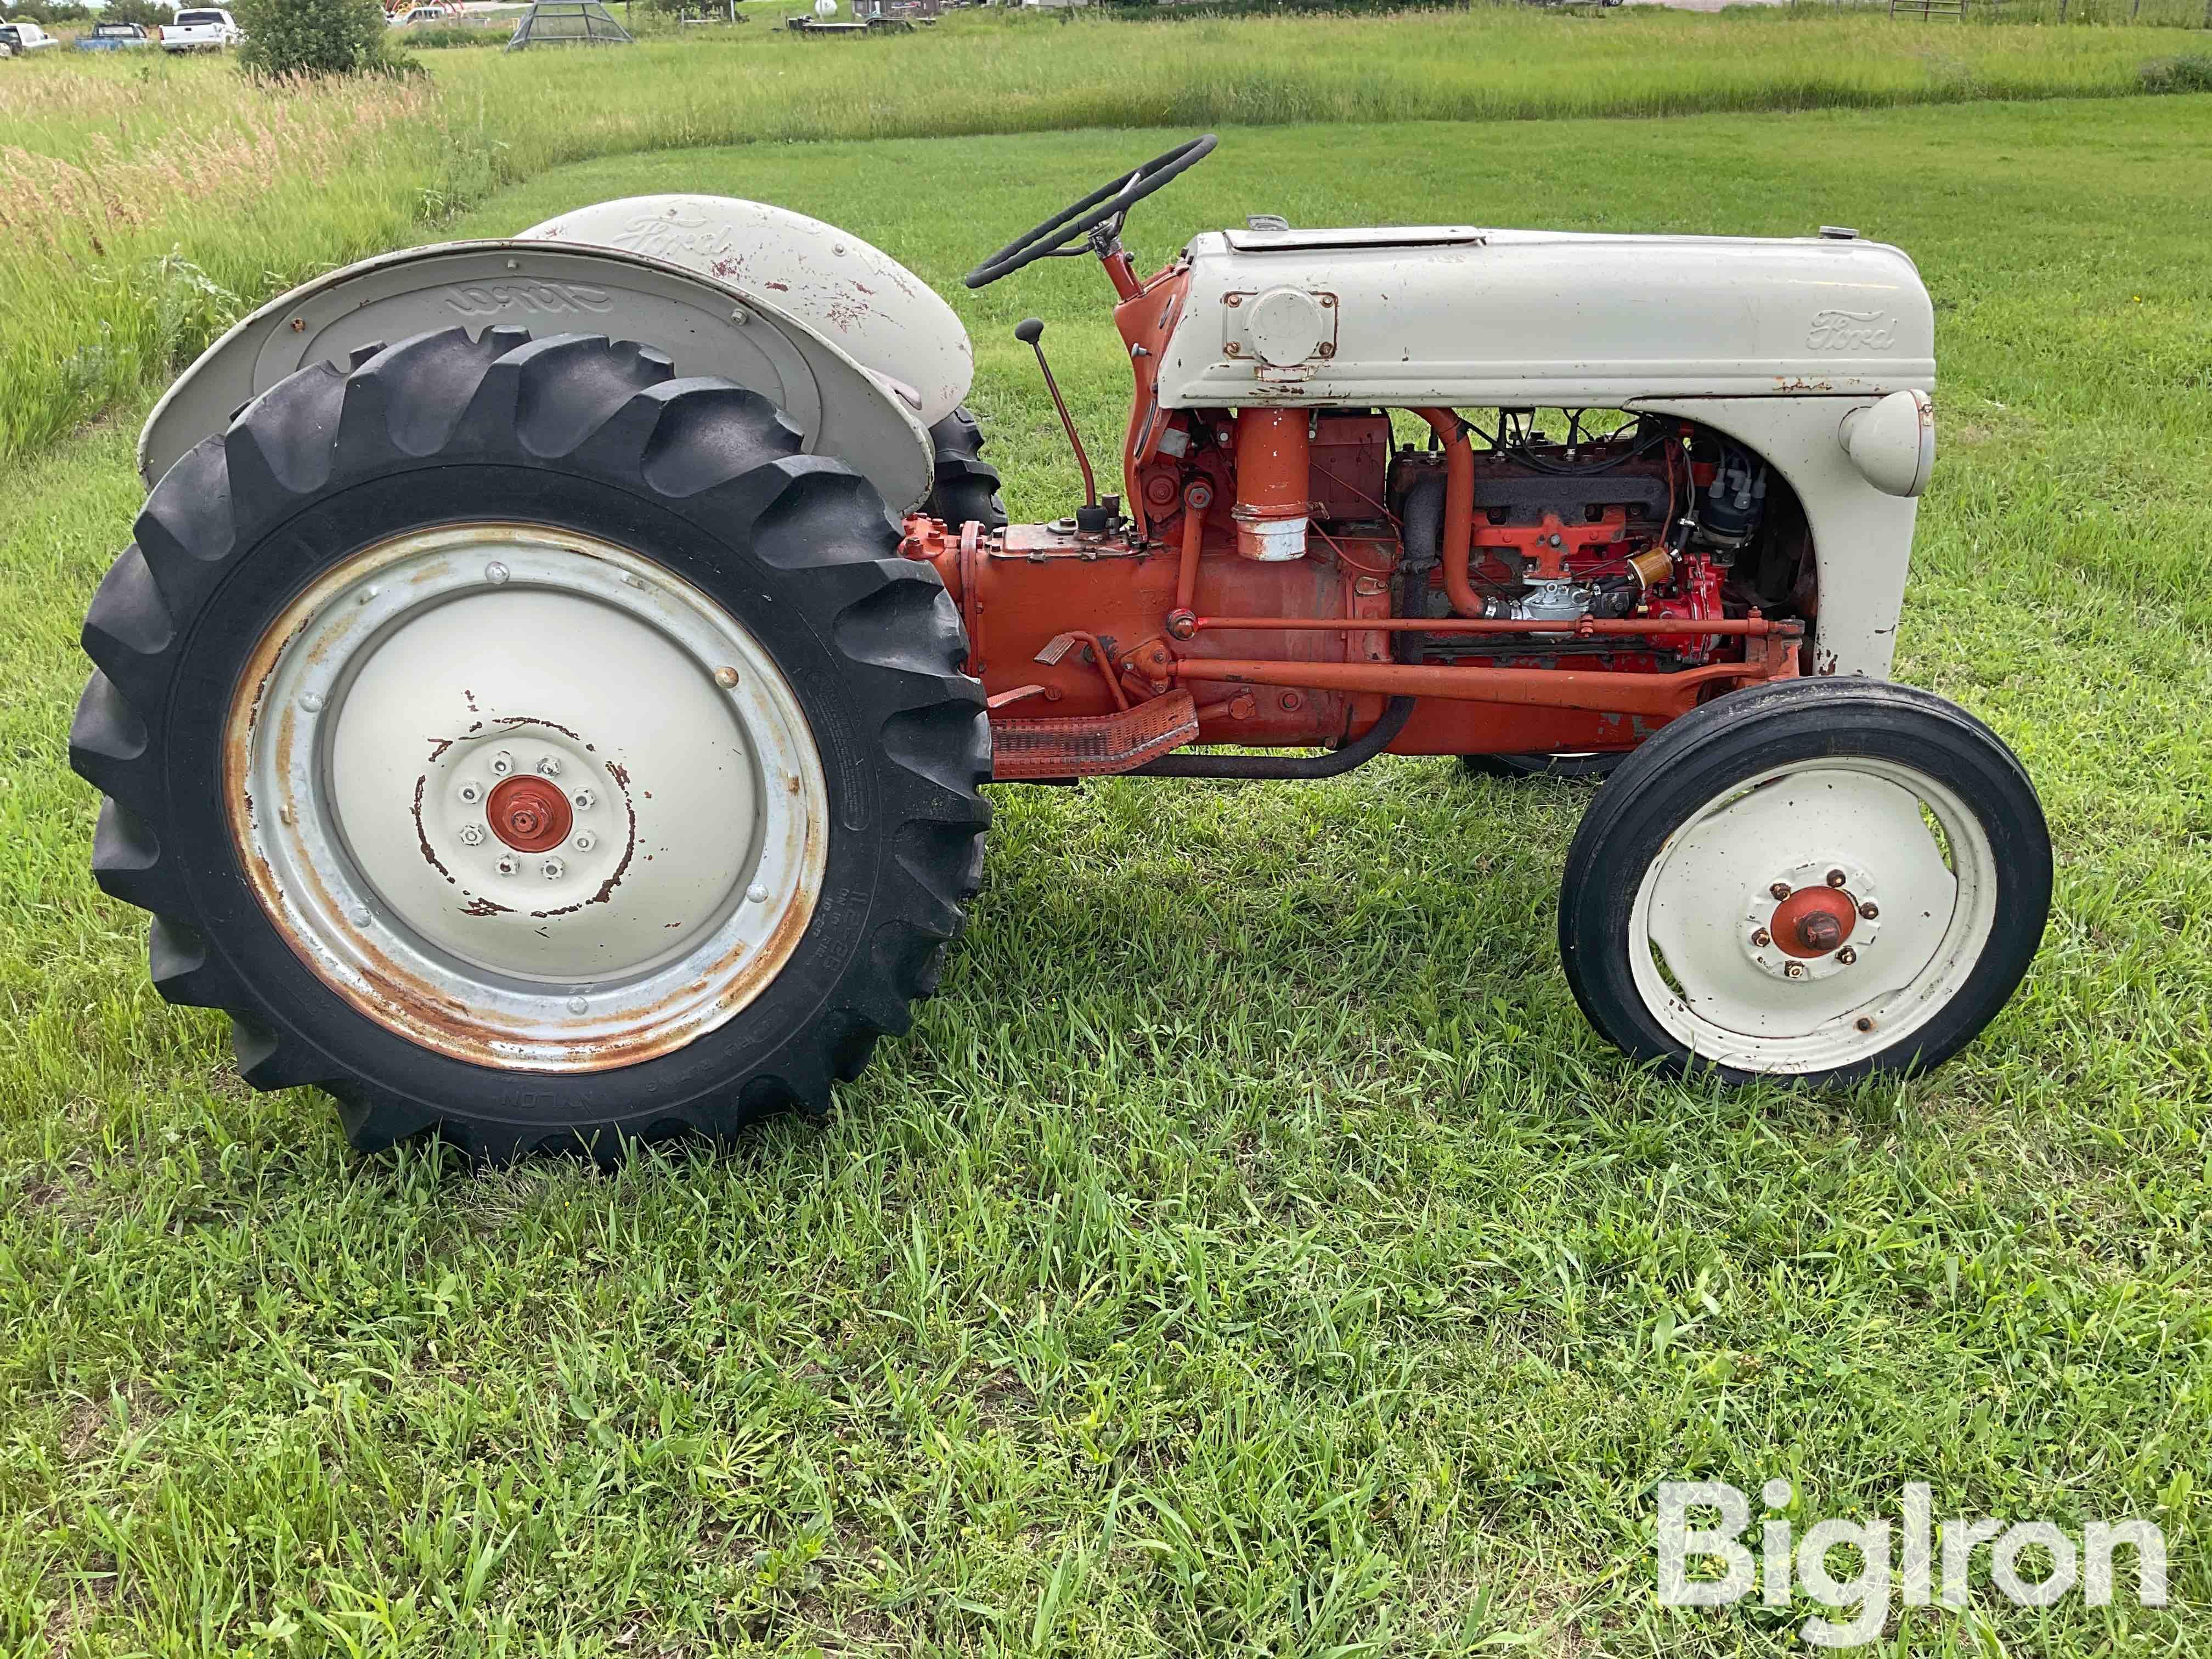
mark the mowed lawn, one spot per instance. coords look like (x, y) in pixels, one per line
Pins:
(1251, 1251)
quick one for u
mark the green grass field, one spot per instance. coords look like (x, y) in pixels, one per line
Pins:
(151, 201)
(1251, 1251)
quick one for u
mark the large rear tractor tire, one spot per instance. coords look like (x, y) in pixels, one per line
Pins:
(528, 746)
(1817, 880)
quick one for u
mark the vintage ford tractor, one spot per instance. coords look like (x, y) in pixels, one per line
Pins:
(547, 695)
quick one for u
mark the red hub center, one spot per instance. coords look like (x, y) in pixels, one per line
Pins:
(1814, 921)
(529, 814)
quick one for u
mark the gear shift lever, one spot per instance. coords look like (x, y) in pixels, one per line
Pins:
(1031, 332)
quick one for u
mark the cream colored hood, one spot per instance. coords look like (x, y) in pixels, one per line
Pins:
(1457, 316)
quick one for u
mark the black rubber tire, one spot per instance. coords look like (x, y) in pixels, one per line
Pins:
(967, 486)
(1695, 759)
(697, 474)
(1594, 767)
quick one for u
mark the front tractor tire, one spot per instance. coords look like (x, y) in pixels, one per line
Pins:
(1814, 880)
(528, 746)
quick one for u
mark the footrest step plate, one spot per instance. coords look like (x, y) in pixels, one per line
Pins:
(1092, 745)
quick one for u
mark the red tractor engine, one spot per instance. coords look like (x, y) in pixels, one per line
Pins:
(1286, 578)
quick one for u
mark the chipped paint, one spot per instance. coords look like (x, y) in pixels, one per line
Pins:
(376, 971)
(824, 278)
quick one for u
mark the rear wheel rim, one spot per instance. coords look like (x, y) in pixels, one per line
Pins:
(1736, 946)
(524, 798)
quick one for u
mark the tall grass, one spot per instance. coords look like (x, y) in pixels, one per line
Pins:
(151, 202)
(1026, 73)
(144, 212)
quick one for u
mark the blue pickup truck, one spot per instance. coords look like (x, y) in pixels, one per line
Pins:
(117, 37)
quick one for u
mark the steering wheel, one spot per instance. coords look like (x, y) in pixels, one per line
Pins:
(1073, 229)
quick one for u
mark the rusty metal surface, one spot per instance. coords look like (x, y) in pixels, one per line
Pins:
(490, 967)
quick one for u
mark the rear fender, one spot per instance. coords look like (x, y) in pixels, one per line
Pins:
(842, 287)
(705, 326)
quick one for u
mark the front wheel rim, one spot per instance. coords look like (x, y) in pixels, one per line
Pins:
(525, 798)
(1814, 916)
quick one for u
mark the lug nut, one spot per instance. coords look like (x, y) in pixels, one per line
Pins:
(1870, 910)
(471, 834)
(1847, 955)
(471, 792)
(507, 864)
(1836, 878)
(584, 843)
(1863, 1023)
(585, 799)
(1759, 939)
(726, 678)
(551, 869)
(1793, 971)
(1780, 890)
(548, 767)
(502, 763)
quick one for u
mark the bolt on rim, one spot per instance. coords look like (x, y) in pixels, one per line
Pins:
(525, 798)
(1869, 894)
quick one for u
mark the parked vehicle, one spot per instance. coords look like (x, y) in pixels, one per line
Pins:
(22, 39)
(204, 30)
(117, 37)
(518, 711)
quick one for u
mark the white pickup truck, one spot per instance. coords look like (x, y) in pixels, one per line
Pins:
(201, 30)
(19, 39)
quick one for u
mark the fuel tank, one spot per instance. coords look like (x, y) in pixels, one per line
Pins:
(1456, 316)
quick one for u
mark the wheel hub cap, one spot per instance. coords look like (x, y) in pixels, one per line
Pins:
(1811, 920)
(1814, 921)
(527, 797)
(529, 814)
